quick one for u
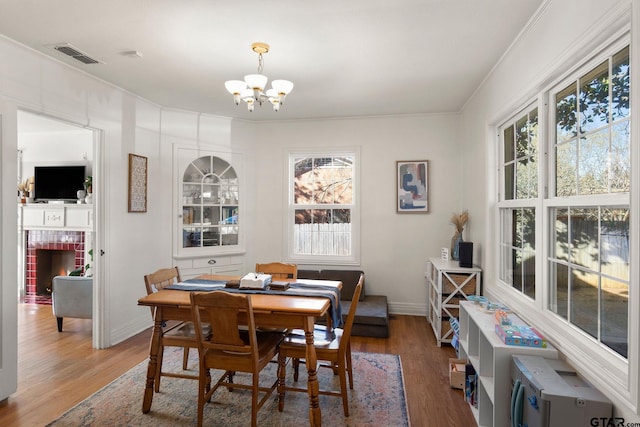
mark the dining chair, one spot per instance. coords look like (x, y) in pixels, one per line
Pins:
(336, 351)
(278, 270)
(230, 348)
(176, 334)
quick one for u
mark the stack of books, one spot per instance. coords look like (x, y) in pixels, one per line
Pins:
(278, 285)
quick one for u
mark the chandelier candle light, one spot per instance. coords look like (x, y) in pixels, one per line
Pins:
(251, 89)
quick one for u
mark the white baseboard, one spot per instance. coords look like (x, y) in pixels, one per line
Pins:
(407, 309)
(131, 328)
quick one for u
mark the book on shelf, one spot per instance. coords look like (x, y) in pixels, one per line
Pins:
(520, 335)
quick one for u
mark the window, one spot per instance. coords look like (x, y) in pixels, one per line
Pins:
(322, 208)
(579, 206)
(589, 216)
(519, 143)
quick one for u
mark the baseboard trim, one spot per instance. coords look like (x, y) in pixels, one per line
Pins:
(407, 309)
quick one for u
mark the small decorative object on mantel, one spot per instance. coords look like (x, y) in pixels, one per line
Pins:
(23, 191)
(88, 186)
(459, 221)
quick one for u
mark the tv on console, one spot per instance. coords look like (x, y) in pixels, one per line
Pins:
(58, 182)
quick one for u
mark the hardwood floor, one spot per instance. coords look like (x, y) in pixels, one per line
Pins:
(58, 370)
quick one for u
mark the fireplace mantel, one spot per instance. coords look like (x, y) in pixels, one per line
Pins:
(39, 216)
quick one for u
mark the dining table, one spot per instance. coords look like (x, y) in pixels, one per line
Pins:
(271, 310)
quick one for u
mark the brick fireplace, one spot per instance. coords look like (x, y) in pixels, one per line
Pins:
(50, 253)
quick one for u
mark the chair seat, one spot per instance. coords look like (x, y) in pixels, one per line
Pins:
(267, 349)
(186, 330)
(321, 339)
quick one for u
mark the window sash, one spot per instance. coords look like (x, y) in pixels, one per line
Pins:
(320, 230)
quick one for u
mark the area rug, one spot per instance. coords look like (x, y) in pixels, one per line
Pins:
(378, 398)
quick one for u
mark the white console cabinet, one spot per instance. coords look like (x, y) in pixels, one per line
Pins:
(491, 359)
(232, 265)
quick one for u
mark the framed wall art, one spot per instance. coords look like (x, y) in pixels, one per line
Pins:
(137, 183)
(412, 186)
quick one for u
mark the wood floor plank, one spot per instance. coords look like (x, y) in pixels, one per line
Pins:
(58, 370)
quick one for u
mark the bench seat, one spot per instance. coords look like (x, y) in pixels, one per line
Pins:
(372, 314)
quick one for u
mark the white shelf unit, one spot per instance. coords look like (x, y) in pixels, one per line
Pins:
(491, 359)
(448, 284)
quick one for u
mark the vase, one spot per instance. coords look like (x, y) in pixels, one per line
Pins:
(89, 198)
(455, 246)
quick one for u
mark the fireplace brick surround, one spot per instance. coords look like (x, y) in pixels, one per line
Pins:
(57, 240)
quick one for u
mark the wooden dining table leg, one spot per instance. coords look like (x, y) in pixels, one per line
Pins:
(154, 349)
(315, 416)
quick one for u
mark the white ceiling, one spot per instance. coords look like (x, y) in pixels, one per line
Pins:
(345, 57)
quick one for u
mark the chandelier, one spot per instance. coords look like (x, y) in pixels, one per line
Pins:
(251, 89)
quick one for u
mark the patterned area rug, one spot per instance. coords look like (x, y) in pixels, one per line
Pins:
(378, 398)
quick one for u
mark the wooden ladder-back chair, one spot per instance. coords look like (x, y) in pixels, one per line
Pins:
(181, 334)
(230, 348)
(278, 270)
(336, 351)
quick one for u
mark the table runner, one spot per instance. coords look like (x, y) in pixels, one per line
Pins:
(295, 289)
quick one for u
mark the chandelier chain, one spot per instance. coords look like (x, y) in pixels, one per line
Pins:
(260, 63)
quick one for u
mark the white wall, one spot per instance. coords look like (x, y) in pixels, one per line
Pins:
(394, 247)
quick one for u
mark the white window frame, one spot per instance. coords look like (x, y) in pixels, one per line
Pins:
(290, 256)
(534, 203)
(617, 377)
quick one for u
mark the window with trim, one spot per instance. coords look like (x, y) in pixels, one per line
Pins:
(584, 207)
(588, 259)
(517, 207)
(322, 208)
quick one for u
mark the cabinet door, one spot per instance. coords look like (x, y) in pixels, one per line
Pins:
(208, 202)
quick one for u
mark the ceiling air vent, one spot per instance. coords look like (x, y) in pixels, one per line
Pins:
(76, 54)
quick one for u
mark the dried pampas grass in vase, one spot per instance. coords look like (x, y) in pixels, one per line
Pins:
(459, 221)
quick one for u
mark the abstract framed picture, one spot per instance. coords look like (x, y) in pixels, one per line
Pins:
(137, 183)
(412, 186)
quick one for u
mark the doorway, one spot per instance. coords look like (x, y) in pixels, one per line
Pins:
(46, 143)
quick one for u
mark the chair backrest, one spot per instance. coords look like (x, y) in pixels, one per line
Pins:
(348, 325)
(161, 278)
(223, 311)
(278, 270)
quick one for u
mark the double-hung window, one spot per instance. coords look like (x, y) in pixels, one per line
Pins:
(322, 216)
(518, 201)
(575, 209)
(588, 210)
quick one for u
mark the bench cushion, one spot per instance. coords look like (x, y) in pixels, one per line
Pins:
(373, 310)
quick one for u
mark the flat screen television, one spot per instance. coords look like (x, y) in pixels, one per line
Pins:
(58, 182)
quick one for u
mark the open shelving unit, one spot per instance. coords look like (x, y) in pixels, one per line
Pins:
(491, 359)
(448, 284)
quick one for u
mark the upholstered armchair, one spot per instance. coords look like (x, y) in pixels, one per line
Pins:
(72, 297)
